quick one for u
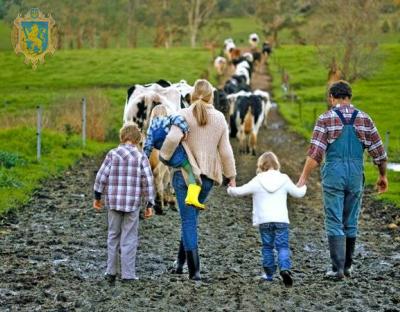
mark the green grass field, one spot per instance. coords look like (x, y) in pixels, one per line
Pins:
(378, 96)
(66, 76)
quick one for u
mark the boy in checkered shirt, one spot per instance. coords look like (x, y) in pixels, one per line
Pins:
(126, 180)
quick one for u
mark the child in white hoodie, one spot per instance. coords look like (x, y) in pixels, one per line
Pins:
(269, 189)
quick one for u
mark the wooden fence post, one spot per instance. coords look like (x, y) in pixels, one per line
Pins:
(387, 135)
(39, 133)
(83, 121)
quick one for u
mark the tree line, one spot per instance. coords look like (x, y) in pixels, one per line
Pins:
(345, 32)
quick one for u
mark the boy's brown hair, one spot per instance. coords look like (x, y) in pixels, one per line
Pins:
(268, 161)
(130, 132)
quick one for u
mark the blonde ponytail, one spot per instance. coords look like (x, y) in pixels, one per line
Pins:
(202, 95)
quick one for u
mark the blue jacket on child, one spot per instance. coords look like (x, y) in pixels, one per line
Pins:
(157, 132)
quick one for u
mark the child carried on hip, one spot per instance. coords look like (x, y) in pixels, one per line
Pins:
(160, 124)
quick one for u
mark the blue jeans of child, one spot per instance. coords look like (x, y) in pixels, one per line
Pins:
(189, 214)
(275, 235)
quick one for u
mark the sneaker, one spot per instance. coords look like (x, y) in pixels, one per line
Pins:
(287, 278)
(129, 280)
(266, 277)
(348, 271)
(334, 275)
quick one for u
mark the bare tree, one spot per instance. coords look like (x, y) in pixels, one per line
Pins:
(276, 15)
(347, 34)
(198, 12)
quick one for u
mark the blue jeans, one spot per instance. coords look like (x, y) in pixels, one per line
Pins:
(189, 214)
(275, 235)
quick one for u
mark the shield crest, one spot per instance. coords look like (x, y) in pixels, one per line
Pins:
(34, 35)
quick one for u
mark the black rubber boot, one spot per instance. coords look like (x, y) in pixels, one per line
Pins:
(180, 260)
(193, 262)
(337, 250)
(350, 247)
(287, 278)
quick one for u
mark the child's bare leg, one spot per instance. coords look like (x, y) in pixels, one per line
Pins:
(188, 169)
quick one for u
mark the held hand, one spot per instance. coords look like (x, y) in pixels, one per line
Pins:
(302, 181)
(232, 182)
(148, 213)
(382, 184)
(97, 205)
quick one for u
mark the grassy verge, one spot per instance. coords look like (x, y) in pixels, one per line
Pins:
(21, 173)
(58, 85)
(376, 96)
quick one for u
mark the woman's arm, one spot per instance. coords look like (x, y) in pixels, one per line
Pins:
(226, 154)
(171, 142)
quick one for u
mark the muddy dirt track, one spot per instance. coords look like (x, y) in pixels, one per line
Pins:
(53, 251)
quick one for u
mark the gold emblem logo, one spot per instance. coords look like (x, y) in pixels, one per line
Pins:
(34, 35)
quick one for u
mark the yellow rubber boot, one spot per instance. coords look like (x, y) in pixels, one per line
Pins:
(192, 197)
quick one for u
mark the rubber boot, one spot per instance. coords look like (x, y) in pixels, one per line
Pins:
(350, 246)
(287, 278)
(192, 197)
(337, 251)
(180, 260)
(193, 262)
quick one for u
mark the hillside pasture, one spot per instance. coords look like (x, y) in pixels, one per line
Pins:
(102, 76)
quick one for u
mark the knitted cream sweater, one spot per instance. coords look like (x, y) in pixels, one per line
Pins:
(208, 147)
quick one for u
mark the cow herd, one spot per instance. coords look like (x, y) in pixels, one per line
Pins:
(245, 110)
(248, 109)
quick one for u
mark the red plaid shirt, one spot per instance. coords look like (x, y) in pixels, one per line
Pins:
(329, 127)
(125, 178)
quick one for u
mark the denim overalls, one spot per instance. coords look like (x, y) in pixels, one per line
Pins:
(343, 181)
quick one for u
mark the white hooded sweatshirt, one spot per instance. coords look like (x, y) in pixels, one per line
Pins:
(269, 190)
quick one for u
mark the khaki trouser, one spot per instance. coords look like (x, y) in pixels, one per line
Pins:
(122, 235)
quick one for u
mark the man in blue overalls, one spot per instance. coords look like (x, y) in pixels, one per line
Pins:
(341, 134)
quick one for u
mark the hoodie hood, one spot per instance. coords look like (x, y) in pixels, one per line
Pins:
(272, 180)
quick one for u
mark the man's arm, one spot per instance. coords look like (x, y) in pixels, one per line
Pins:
(377, 152)
(382, 184)
(309, 166)
(319, 142)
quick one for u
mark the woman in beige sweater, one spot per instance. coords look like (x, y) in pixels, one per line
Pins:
(210, 155)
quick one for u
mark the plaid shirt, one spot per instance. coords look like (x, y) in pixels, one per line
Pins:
(164, 122)
(126, 178)
(329, 127)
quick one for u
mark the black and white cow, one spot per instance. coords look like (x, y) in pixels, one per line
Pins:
(142, 98)
(236, 84)
(221, 103)
(249, 112)
(254, 40)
